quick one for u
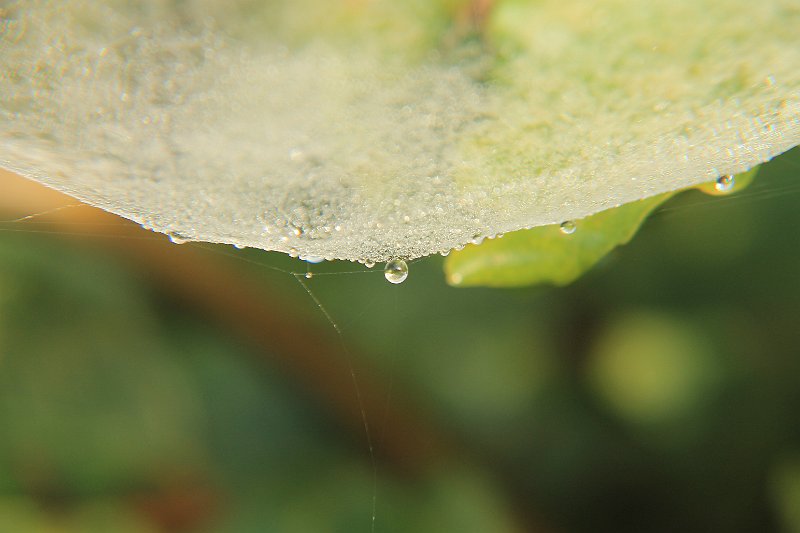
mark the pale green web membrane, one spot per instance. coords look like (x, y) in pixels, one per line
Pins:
(373, 131)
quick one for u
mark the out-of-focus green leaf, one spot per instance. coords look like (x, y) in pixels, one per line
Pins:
(653, 369)
(90, 397)
(551, 254)
(785, 489)
(22, 514)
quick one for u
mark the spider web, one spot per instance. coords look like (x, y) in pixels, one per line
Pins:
(322, 147)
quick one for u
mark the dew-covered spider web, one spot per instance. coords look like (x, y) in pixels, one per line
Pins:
(370, 131)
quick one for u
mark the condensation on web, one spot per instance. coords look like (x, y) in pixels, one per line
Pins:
(164, 113)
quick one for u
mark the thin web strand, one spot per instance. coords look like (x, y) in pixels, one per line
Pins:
(301, 280)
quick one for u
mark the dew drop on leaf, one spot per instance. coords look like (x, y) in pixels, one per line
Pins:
(725, 183)
(568, 227)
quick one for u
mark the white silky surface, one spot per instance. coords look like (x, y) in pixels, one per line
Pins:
(171, 117)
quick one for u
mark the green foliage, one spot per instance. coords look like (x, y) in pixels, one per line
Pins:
(86, 414)
(545, 254)
(549, 255)
(785, 485)
(654, 370)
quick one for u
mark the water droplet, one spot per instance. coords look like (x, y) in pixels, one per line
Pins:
(725, 183)
(369, 264)
(239, 246)
(477, 239)
(309, 275)
(568, 227)
(312, 259)
(177, 238)
(292, 252)
(396, 271)
(444, 253)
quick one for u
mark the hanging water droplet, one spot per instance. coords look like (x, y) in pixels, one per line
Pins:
(369, 264)
(725, 183)
(312, 259)
(396, 271)
(568, 227)
(177, 238)
(239, 246)
(309, 275)
(292, 252)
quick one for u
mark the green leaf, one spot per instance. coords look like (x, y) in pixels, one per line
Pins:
(547, 254)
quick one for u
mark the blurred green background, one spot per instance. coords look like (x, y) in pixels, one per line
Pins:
(208, 393)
